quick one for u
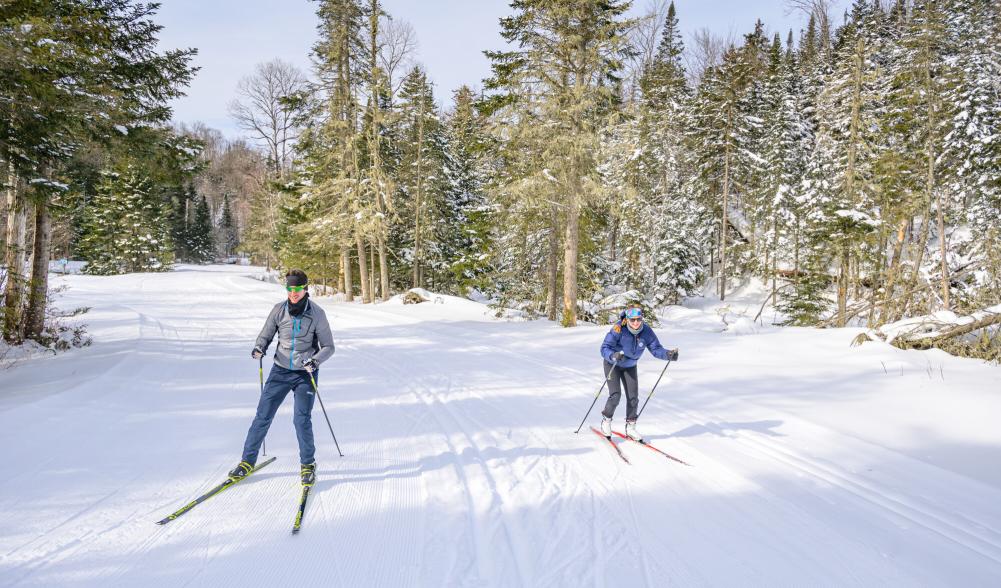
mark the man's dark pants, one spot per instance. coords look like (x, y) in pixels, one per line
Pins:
(280, 382)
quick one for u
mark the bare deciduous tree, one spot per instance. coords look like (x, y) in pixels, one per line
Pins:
(820, 10)
(397, 48)
(271, 106)
(704, 51)
(644, 37)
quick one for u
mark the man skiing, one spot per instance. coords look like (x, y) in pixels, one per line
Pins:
(304, 342)
(621, 349)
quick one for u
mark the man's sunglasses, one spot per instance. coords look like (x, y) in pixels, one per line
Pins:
(295, 288)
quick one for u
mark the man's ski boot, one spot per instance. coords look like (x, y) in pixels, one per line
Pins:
(606, 426)
(241, 471)
(632, 432)
(308, 473)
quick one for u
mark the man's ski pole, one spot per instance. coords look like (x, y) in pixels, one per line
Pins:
(603, 384)
(260, 372)
(317, 390)
(652, 389)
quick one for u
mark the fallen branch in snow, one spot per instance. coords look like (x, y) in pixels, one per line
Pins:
(950, 333)
(926, 339)
(767, 298)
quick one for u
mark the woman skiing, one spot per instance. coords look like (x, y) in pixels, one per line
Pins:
(621, 349)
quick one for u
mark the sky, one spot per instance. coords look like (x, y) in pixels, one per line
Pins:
(233, 36)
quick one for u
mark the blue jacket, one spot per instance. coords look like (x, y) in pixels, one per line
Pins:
(620, 339)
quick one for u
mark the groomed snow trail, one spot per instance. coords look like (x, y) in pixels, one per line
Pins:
(812, 465)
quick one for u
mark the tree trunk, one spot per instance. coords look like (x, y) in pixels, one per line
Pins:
(775, 256)
(894, 271)
(375, 76)
(570, 250)
(942, 250)
(552, 273)
(39, 285)
(366, 295)
(723, 226)
(931, 96)
(795, 261)
(844, 274)
(919, 258)
(14, 258)
(371, 273)
(843, 285)
(383, 269)
(348, 281)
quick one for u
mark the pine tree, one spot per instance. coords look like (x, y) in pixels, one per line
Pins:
(468, 171)
(718, 137)
(200, 241)
(788, 140)
(423, 207)
(842, 193)
(973, 144)
(125, 232)
(562, 75)
(674, 235)
(228, 233)
(332, 214)
(181, 213)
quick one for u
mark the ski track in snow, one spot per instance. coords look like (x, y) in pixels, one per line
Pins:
(460, 466)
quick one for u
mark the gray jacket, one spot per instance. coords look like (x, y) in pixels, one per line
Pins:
(299, 338)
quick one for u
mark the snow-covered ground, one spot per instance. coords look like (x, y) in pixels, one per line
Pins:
(813, 463)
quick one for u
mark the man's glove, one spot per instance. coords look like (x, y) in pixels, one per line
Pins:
(257, 353)
(309, 365)
(672, 355)
(617, 356)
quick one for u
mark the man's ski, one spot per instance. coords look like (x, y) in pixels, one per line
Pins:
(229, 482)
(645, 444)
(302, 509)
(612, 443)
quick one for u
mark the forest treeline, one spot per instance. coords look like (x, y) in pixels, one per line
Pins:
(852, 166)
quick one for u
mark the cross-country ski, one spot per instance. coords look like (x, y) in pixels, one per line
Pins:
(229, 482)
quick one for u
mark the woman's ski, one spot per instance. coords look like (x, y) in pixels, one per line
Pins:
(612, 443)
(645, 444)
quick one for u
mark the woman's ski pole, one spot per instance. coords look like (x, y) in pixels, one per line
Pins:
(654, 388)
(603, 384)
(317, 390)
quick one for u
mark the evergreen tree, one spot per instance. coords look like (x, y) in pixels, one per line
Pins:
(562, 79)
(787, 145)
(718, 138)
(125, 232)
(841, 198)
(181, 213)
(676, 238)
(973, 144)
(200, 242)
(228, 235)
(331, 214)
(426, 214)
(468, 172)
